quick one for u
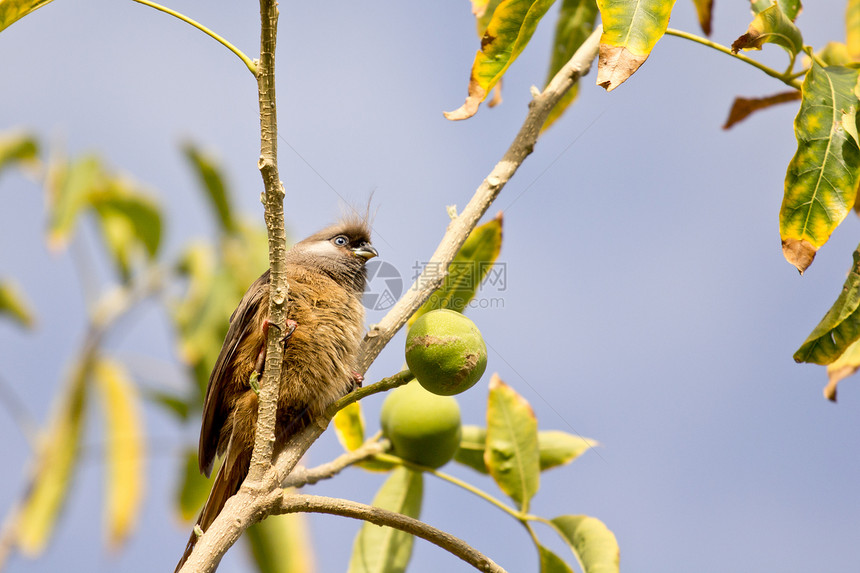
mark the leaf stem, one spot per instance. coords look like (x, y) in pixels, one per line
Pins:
(456, 481)
(786, 78)
(220, 39)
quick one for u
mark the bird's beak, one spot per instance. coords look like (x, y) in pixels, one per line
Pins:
(366, 251)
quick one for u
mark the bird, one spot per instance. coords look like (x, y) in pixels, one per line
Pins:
(326, 276)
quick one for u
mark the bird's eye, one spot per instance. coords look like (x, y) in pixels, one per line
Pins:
(341, 241)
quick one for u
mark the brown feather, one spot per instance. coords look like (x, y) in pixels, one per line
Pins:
(326, 281)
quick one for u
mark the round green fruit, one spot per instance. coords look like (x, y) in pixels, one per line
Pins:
(423, 428)
(446, 352)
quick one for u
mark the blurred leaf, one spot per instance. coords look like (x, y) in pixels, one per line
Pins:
(631, 29)
(771, 26)
(791, 8)
(555, 448)
(743, 107)
(129, 220)
(177, 405)
(575, 23)
(846, 365)
(193, 487)
(13, 304)
(349, 427)
(593, 543)
(467, 270)
(212, 181)
(840, 327)
(124, 436)
(281, 544)
(821, 180)
(510, 28)
(69, 192)
(705, 12)
(17, 147)
(834, 54)
(383, 549)
(53, 467)
(552, 563)
(13, 10)
(512, 443)
(852, 28)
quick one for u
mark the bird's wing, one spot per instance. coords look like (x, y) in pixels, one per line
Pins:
(216, 407)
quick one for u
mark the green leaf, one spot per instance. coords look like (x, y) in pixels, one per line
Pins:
(17, 147)
(631, 29)
(281, 544)
(840, 327)
(211, 179)
(821, 180)
(559, 448)
(69, 192)
(467, 270)
(790, 8)
(130, 223)
(705, 12)
(383, 549)
(511, 27)
(193, 486)
(552, 563)
(592, 542)
(53, 467)
(575, 23)
(177, 405)
(13, 304)
(555, 448)
(771, 26)
(512, 443)
(13, 10)
(349, 427)
(124, 436)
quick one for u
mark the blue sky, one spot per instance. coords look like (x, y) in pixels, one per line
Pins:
(647, 302)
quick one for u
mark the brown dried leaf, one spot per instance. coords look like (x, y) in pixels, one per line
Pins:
(799, 252)
(615, 65)
(743, 107)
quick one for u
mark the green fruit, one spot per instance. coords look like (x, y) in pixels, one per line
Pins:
(445, 352)
(423, 428)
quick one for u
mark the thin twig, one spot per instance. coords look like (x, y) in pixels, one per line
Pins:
(303, 476)
(248, 61)
(294, 503)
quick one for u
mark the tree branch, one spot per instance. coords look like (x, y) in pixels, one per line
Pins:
(294, 503)
(301, 476)
(253, 504)
(460, 228)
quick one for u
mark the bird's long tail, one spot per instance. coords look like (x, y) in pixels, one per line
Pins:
(227, 483)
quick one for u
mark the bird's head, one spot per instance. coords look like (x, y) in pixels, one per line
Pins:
(340, 251)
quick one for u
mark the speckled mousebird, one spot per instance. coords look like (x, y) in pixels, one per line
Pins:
(326, 275)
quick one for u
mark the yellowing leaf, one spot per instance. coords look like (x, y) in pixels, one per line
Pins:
(840, 327)
(575, 23)
(349, 426)
(592, 542)
(13, 10)
(744, 107)
(852, 28)
(124, 436)
(771, 26)
(631, 29)
(821, 180)
(53, 467)
(555, 448)
(512, 443)
(13, 304)
(383, 549)
(470, 266)
(281, 544)
(511, 27)
(69, 192)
